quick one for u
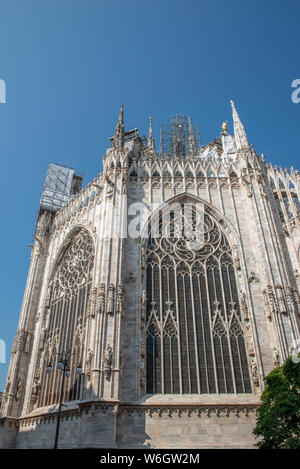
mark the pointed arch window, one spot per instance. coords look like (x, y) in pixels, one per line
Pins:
(194, 341)
(64, 326)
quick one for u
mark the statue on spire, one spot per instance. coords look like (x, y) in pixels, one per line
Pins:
(119, 131)
(241, 139)
(151, 142)
(192, 141)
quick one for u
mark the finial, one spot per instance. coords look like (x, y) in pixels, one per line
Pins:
(151, 143)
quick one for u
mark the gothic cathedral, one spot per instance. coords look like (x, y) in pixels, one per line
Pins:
(158, 297)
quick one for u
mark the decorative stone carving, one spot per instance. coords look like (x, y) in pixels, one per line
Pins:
(120, 300)
(55, 342)
(107, 362)
(42, 339)
(77, 261)
(143, 349)
(27, 342)
(91, 306)
(244, 307)
(254, 372)
(142, 378)
(101, 299)
(281, 301)
(131, 277)
(22, 341)
(36, 389)
(297, 276)
(110, 186)
(143, 305)
(290, 298)
(276, 359)
(49, 295)
(270, 301)
(78, 333)
(253, 278)
(111, 299)
(7, 386)
(296, 300)
(88, 363)
(19, 389)
(247, 184)
(236, 257)
(249, 339)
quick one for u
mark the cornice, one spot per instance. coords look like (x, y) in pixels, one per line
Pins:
(151, 410)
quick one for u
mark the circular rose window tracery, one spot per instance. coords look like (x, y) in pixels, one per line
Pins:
(77, 261)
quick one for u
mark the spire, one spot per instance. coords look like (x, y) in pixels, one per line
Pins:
(160, 140)
(192, 141)
(119, 131)
(151, 143)
(239, 130)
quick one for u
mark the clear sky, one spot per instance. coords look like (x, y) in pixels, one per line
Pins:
(69, 64)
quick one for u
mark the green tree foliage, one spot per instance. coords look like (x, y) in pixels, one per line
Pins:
(278, 422)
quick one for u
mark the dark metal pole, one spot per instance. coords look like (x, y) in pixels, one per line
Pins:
(60, 406)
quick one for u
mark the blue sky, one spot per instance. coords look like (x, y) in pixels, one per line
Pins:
(68, 65)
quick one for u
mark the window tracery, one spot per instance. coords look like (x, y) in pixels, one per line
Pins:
(194, 333)
(66, 319)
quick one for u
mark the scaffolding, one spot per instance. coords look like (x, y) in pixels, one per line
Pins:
(61, 185)
(179, 138)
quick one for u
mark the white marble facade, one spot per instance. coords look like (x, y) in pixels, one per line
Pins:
(93, 242)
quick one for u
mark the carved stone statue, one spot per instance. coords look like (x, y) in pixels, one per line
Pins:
(254, 371)
(236, 257)
(107, 362)
(88, 363)
(253, 278)
(92, 303)
(49, 295)
(89, 357)
(42, 339)
(78, 333)
(19, 389)
(111, 299)
(56, 339)
(101, 299)
(36, 389)
(225, 126)
(281, 301)
(144, 304)
(244, 306)
(276, 359)
(120, 300)
(7, 387)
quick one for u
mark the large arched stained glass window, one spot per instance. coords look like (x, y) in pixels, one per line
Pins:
(64, 325)
(195, 341)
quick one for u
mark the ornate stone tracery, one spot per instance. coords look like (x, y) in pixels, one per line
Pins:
(70, 302)
(195, 338)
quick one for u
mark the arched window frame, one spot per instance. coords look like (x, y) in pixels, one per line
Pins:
(64, 324)
(249, 389)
